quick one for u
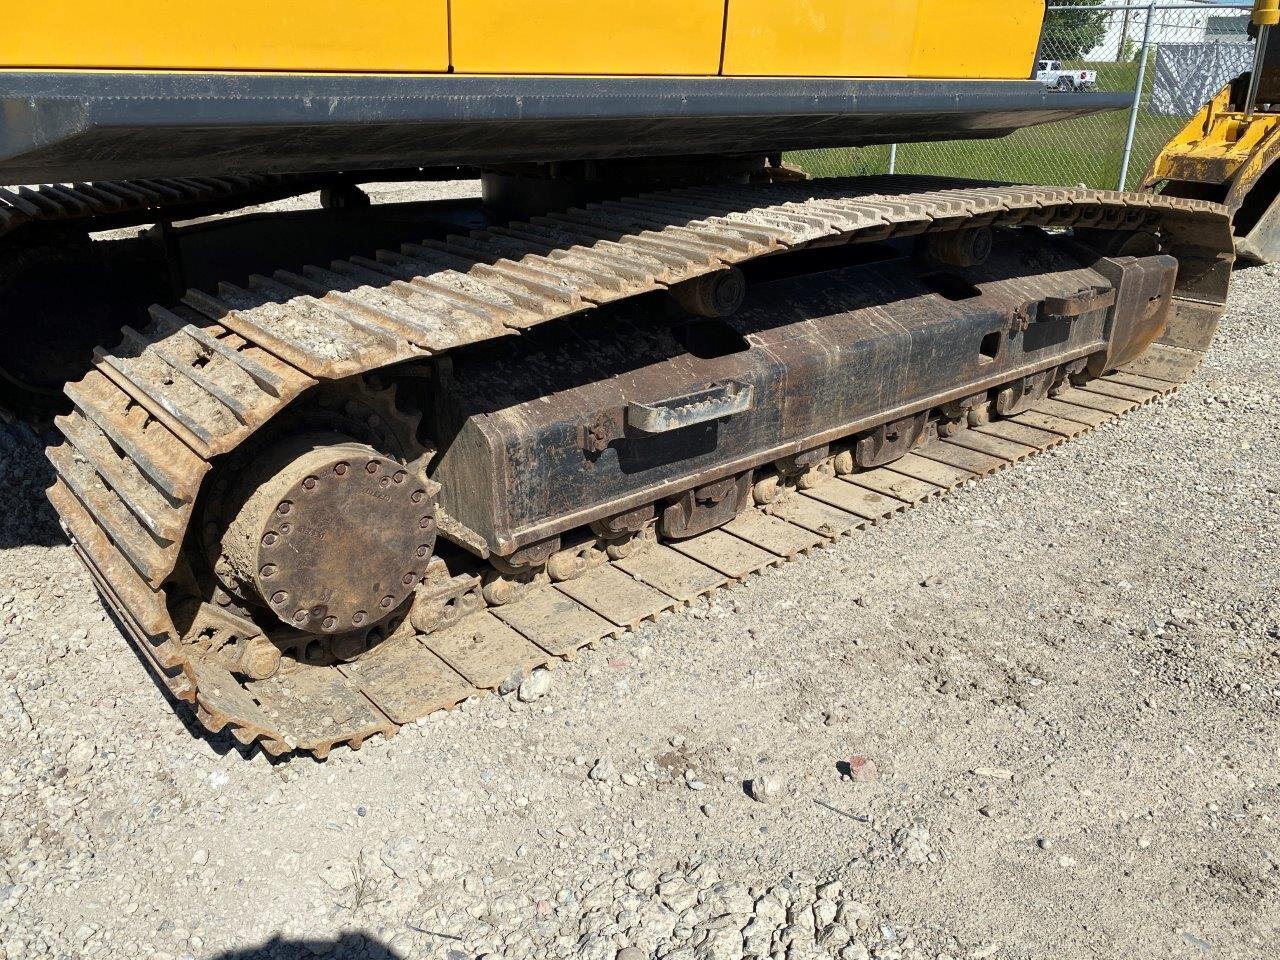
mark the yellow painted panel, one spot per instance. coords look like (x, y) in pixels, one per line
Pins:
(977, 38)
(820, 38)
(587, 36)
(883, 38)
(301, 35)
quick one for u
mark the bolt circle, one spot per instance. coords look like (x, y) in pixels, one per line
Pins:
(353, 530)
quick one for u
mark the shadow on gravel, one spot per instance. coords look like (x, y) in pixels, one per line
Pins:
(26, 518)
(349, 946)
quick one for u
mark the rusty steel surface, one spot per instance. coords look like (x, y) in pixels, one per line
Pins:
(330, 534)
(572, 424)
(155, 417)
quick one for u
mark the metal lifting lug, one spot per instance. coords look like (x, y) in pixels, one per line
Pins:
(1023, 316)
(596, 435)
(1079, 304)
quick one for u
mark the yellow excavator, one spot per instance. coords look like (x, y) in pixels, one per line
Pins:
(1227, 152)
(335, 469)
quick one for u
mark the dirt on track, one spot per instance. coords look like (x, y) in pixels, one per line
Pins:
(1037, 719)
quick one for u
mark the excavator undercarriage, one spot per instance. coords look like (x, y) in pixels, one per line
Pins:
(336, 469)
(328, 501)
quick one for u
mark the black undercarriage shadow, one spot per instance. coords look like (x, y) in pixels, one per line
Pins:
(348, 946)
(26, 516)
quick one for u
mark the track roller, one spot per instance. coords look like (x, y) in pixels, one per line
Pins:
(960, 248)
(718, 294)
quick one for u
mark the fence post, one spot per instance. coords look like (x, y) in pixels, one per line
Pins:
(1255, 75)
(893, 158)
(1137, 97)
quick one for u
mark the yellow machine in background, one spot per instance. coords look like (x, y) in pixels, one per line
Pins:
(1228, 151)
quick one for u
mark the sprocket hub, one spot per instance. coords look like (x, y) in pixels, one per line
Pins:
(330, 534)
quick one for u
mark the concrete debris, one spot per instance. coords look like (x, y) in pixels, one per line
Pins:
(535, 686)
(764, 789)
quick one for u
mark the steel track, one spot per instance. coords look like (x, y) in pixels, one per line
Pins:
(108, 204)
(156, 411)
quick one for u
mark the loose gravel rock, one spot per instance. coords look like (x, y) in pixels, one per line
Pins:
(535, 686)
(764, 789)
(1095, 662)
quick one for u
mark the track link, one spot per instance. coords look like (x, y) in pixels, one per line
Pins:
(154, 413)
(106, 204)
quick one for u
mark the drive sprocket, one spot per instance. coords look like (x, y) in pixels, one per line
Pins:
(320, 530)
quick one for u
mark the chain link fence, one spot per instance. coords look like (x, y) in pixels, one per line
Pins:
(1168, 57)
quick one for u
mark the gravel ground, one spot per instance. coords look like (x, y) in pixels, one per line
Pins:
(1036, 719)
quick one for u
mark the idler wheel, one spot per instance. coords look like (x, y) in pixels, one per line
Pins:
(329, 534)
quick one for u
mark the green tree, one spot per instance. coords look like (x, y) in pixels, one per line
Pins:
(1070, 34)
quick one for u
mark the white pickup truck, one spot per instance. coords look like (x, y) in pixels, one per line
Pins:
(1051, 74)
